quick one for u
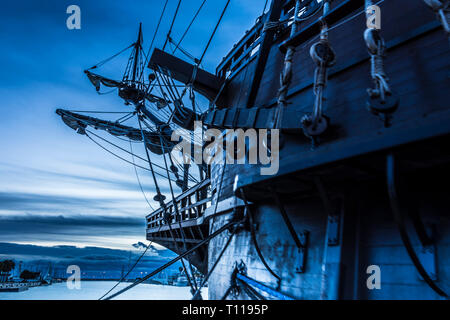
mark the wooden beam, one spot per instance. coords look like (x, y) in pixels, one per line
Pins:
(266, 43)
(205, 83)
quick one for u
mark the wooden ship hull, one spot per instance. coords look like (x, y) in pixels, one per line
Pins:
(362, 190)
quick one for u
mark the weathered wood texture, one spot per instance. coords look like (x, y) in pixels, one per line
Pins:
(351, 161)
(417, 64)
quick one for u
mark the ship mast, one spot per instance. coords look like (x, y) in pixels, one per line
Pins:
(137, 47)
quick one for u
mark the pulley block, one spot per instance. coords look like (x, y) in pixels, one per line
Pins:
(159, 197)
(180, 183)
(378, 106)
(322, 54)
(312, 129)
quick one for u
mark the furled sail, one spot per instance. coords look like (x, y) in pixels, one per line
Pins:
(127, 92)
(157, 143)
(97, 80)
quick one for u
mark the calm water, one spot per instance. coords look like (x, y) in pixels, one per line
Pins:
(93, 290)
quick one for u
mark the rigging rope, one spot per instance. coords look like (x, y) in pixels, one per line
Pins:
(193, 284)
(159, 197)
(313, 39)
(105, 112)
(189, 26)
(442, 10)
(181, 256)
(270, 25)
(154, 35)
(324, 56)
(255, 241)
(121, 158)
(265, 7)
(197, 294)
(214, 32)
(171, 25)
(126, 117)
(286, 75)
(139, 180)
(129, 271)
(101, 63)
(120, 148)
(184, 51)
(381, 101)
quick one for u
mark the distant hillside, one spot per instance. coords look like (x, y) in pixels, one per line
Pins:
(91, 260)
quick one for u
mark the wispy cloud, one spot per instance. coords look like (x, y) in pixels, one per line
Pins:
(83, 230)
(57, 186)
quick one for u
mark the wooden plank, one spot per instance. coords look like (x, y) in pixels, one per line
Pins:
(248, 35)
(170, 239)
(205, 83)
(331, 18)
(266, 43)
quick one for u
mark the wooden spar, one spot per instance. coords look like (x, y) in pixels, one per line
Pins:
(266, 44)
(205, 83)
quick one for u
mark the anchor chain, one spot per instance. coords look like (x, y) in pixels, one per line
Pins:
(323, 55)
(381, 100)
(442, 10)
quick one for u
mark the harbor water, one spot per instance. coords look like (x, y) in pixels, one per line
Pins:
(93, 290)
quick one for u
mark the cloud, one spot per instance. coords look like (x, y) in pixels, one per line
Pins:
(31, 221)
(75, 229)
(57, 187)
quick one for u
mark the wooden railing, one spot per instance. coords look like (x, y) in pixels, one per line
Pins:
(242, 52)
(248, 46)
(191, 206)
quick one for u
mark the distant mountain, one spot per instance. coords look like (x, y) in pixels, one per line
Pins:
(91, 260)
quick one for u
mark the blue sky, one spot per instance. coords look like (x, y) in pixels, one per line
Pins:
(57, 187)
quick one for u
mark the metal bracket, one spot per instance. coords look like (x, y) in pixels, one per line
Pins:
(427, 252)
(334, 224)
(302, 252)
(333, 230)
(427, 256)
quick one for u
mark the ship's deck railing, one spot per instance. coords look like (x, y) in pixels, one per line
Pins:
(191, 206)
(242, 52)
(248, 46)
